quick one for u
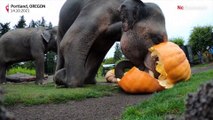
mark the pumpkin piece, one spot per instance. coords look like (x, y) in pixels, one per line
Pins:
(110, 76)
(173, 65)
(136, 81)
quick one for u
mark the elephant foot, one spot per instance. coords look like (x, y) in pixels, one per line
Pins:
(73, 84)
(59, 77)
(61, 80)
(90, 81)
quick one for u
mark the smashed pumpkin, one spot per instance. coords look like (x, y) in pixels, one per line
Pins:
(110, 76)
(137, 81)
(172, 65)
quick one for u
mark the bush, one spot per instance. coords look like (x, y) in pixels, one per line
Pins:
(21, 70)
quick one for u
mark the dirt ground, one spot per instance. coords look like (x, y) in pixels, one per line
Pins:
(104, 108)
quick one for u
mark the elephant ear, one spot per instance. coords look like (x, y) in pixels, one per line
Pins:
(46, 35)
(129, 13)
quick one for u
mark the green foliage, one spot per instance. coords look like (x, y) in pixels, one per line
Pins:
(31, 94)
(21, 23)
(32, 24)
(28, 65)
(41, 23)
(109, 61)
(179, 41)
(117, 54)
(50, 63)
(201, 38)
(50, 25)
(167, 102)
(4, 28)
(21, 70)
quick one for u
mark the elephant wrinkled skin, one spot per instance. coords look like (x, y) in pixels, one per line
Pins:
(26, 44)
(88, 28)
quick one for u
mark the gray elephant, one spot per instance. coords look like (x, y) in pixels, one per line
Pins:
(88, 28)
(26, 44)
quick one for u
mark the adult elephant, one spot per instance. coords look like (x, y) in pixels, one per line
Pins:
(90, 27)
(26, 44)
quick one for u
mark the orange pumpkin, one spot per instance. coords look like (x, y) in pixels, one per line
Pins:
(173, 67)
(136, 81)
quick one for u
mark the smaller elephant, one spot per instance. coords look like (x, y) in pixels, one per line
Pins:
(26, 44)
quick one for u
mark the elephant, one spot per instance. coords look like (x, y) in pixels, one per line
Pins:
(26, 44)
(88, 28)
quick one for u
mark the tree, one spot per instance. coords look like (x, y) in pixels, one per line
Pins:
(50, 25)
(117, 53)
(201, 39)
(179, 41)
(109, 61)
(21, 23)
(32, 24)
(4, 28)
(50, 62)
(41, 23)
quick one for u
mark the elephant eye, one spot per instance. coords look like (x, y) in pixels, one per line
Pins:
(156, 39)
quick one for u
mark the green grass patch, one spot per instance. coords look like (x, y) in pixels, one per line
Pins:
(31, 94)
(201, 65)
(167, 102)
(21, 70)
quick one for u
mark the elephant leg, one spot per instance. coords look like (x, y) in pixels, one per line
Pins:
(75, 47)
(98, 52)
(95, 57)
(66, 19)
(39, 61)
(60, 77)
(121, 67)
(60, 58)
(3, 73)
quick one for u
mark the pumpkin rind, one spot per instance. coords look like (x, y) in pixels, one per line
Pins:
(173, 64)
(136, 81)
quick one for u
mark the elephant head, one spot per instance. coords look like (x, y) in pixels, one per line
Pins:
(50, 38)
(143, 26)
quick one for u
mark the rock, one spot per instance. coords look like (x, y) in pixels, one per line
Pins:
(199, 106)
(20, 77)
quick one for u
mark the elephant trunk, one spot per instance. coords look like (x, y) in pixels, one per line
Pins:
(149, 66)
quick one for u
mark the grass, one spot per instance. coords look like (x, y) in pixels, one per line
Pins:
(21, 70)
(167, 102)
(201, 65)
(31, 94)
(159, 106)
